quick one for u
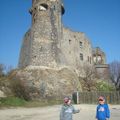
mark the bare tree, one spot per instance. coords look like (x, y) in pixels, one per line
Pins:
(5, 70)
(2, 68)
(88, 76)
(115, 73)
(9, 69)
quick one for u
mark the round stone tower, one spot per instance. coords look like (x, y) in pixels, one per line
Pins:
(46, 18)
(45, 34)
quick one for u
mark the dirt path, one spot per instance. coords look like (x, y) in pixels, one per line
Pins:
(52, 113)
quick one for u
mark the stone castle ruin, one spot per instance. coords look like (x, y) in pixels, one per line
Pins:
(49, 43)
(51, 53)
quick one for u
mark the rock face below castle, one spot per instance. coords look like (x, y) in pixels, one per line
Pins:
(49, 83)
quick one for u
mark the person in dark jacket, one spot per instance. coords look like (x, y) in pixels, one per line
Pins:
(67, 110)
(102, 111)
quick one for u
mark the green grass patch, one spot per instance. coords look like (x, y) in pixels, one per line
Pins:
(18, 102)
(12, 101)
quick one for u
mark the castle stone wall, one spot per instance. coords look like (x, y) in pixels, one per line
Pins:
(74, 44)
(25, 54)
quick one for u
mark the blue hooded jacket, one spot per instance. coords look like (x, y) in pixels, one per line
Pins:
(102, 112)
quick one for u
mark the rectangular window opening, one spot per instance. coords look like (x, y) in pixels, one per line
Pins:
(70, 41)
(81, 44)
(81, 56)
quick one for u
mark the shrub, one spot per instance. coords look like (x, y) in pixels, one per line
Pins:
(104, 86)
(19, 90)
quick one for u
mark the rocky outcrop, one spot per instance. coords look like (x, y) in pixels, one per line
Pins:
(44, 82)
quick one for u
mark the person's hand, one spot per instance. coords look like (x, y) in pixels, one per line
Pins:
(107, 118)
(80, 109)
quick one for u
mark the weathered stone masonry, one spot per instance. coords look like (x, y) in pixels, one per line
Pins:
(49, 43)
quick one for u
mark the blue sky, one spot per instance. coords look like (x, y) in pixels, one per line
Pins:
(99, 19)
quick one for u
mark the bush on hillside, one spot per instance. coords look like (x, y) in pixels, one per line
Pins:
(104, 86)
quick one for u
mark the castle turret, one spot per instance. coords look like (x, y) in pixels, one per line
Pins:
(99, 56)
(99, 60)
(45, 34)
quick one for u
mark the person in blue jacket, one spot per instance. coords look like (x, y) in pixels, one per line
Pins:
(67, 110)
(102, 111)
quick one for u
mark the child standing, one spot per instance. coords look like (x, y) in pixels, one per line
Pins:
(102, 112)
(67, 110)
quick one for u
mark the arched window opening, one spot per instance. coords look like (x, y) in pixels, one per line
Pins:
(70, 42)
(35, 8)
(43, 7)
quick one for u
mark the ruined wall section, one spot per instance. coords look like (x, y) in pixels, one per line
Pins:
(76, 48)
(99, 56)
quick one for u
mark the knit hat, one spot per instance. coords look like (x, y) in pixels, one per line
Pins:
(66, 99)
(101, 98)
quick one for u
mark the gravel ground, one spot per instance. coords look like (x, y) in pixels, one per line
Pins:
(52, 113)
